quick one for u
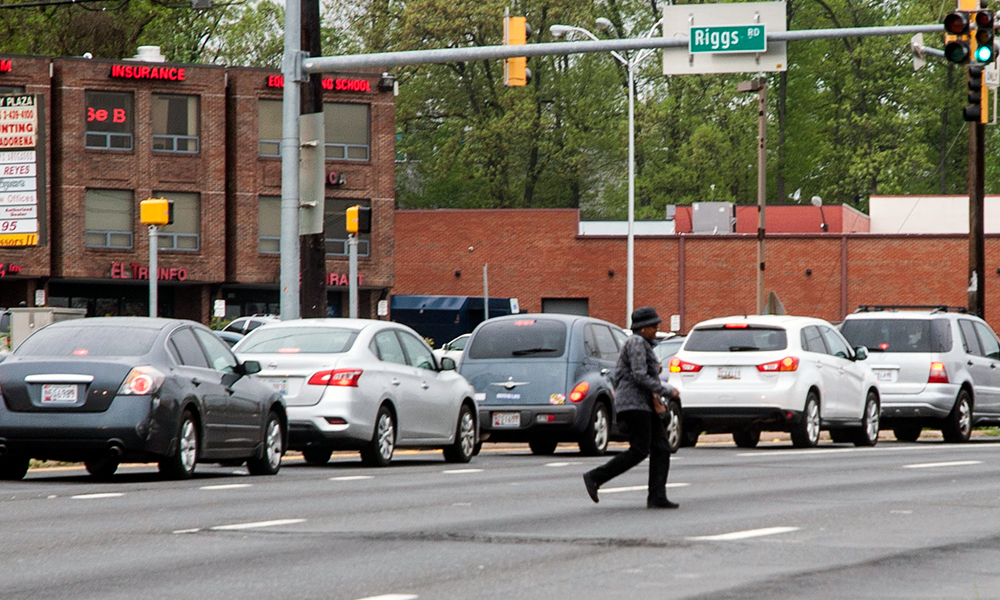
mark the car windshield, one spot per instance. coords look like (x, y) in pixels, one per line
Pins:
(521, 338)
(298, 340)
(748, 338)
(899, 335)
(89, 341)
(459, 343)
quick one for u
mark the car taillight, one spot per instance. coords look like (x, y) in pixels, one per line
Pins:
(789, 363)
(579, 392)
(679, 366)
(142, 381)
(937, 374)
(339, 377)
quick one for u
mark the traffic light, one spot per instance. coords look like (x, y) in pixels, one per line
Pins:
(359, 219)
(957, 42)
(515, 33)
(984, 52)
(974, 110)
(156, 211)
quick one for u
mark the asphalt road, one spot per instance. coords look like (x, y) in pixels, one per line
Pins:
(895, 521)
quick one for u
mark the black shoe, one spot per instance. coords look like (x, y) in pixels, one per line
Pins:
(591, 487)
(664, 503)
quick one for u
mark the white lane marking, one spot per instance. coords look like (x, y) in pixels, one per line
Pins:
(392, 597)
(779, 453)
(195, 530)
(900, 512)
(743, 535)
(461, 504)
(636, 488)
(352, 478)
(238, 526)
(460, 471)
(97, 496)
(560, 464)
(954, 463)
(226, 486)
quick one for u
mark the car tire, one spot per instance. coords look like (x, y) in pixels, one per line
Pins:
(477, 449)
(317, 456)
(543, 447)
(867, 435)
(13, 468)
(805, 433)
(269, 462)
(673, 426)
(101, 468)
(465, 438)
(957, 427)
(595, 438)
(689, 438)
(746, 438)
(907, 433)
(378, 452)
(182, 463)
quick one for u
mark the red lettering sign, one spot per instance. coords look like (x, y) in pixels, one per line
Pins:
(5, 66)
(9, 269)
(140, 272)
(342, 279)
(337, 85)
(145, 72)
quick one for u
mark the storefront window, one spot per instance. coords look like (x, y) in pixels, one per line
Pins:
(175, 123)
(184, 233)
(11, 90)
(108, 117)
(269, 224)
(269, 117)
(346, 127)
(108, 220)
(335, 228)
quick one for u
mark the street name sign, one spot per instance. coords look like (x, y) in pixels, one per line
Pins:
(725, 38)
(728, 38)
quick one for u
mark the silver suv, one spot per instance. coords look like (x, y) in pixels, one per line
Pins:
(937, 367)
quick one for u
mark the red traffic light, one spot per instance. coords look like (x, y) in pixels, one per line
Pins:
(984, 19)
(956, 23)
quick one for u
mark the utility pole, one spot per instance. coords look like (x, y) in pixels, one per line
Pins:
(977, 245)
(312, 257)
(760, 86)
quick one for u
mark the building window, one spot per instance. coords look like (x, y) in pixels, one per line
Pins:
(346, 127)
(108, 220)
(269, 224)
(184, 233)
(269, 116)
(109, 121)
(175, 123)
(11, 90)
(335, 228)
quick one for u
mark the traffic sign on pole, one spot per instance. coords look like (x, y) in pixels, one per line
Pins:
(728, 38)
(725, 38)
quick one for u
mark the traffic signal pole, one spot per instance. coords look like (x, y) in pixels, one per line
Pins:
(977, 245)
(312, 261)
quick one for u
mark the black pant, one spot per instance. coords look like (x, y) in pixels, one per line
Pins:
(647, 436)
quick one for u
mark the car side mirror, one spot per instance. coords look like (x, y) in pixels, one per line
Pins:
(250, 367)
(860, 353)
(448, 364)
(446, 346)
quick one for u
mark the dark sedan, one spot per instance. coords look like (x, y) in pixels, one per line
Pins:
(134, 389)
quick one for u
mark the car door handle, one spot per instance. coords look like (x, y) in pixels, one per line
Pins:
(424, 385)
(969, 363)
(196, 381)
(395, 381)
(605, 371)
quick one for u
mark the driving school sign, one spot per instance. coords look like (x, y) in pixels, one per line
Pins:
(19, 171)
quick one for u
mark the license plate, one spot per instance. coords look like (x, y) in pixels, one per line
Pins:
(280, 386)
(729, 373)
(506, 419)
(54, 393)
(884, 374)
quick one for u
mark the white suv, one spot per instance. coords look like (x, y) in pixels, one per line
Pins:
(937, 368)
(747, 374)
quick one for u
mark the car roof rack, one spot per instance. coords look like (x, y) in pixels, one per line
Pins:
(934, 308)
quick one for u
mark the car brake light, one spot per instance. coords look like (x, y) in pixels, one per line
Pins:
(679, 366)
(937, 374)
(736, 325)
(789, 363)
(141, 381)
(339, 377)
(579, 392)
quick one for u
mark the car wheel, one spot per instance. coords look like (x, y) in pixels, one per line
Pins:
(673, 426)
(805, 433)
(958, 425)
(13, 468)
(868, 434)
(181, 464)
(477, 449)
(269, 463)
(689, 438)
(317, 456)
(101, 468)
(747, 438)
(595, 438)
(907, 433)
(378, 452)
(465, 438)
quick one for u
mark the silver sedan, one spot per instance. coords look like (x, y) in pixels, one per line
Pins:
(359, 384)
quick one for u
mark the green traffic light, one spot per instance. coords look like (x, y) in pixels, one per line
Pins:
(984, 54)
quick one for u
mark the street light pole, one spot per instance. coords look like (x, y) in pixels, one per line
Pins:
(760, 86)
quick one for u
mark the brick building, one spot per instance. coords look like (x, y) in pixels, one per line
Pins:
(207, 138)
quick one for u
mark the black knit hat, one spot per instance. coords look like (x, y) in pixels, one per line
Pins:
(644, 316)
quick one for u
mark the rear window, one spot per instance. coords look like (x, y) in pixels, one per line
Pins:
(297, 340)
(899, 335)
(743, 339)
(89, 342)
(522, 338)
